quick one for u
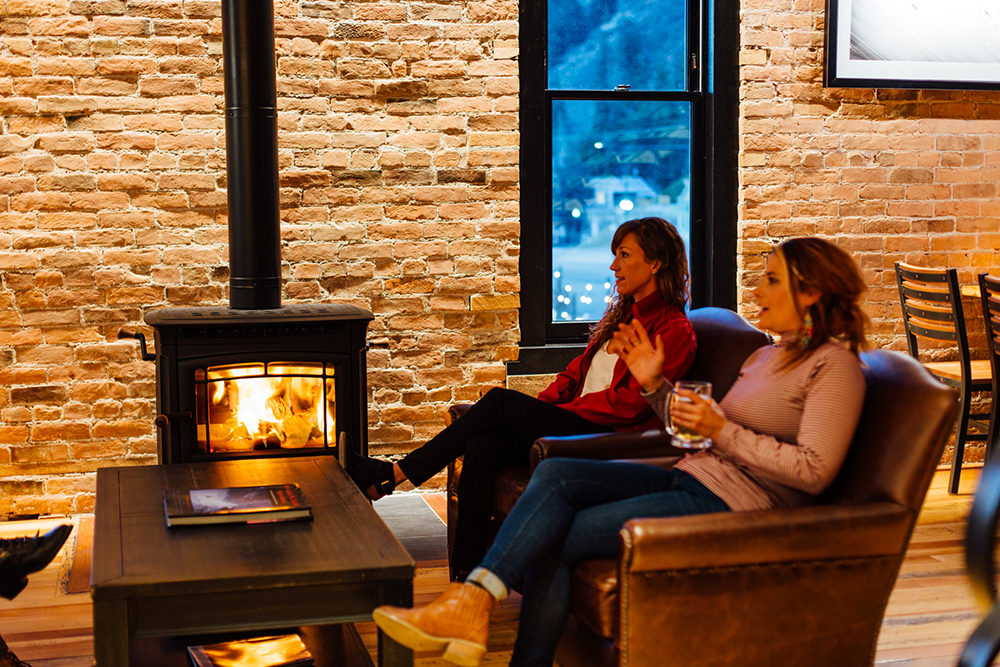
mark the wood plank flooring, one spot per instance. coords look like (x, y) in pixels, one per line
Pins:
(931, 611)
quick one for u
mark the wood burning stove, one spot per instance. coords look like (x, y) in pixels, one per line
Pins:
(256, 379)
(237, 383)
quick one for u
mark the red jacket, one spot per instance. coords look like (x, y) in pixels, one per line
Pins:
(622, 406)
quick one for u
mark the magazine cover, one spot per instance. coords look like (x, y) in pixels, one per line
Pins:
(235, 504)
(281, 651)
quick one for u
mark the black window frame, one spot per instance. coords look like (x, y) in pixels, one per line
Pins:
(713, 88)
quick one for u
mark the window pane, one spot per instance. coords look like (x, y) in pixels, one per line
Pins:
(612, 161)
(601, 44)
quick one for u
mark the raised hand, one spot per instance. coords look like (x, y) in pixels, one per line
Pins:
(644, 359)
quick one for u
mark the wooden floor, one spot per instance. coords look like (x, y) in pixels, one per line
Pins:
(930, 614)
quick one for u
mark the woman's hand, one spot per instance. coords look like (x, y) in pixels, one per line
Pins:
(697, 413)
(644, 360)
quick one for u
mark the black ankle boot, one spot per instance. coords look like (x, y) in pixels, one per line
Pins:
(21, 556)
(367, 472)
(9, 587)
(8, 659)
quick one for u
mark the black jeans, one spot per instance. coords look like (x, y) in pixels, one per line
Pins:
(497, 431)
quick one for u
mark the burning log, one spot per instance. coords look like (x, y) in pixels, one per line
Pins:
(294, 430)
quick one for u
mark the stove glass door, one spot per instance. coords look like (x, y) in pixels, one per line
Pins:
(258, 406)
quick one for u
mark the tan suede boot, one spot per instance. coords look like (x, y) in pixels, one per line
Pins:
(458, 622)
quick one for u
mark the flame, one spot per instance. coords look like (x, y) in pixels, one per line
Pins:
(331, 413)
(218, 392)
(288, 407)
(252, 409)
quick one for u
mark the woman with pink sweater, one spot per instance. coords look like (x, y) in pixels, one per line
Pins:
(780, 436)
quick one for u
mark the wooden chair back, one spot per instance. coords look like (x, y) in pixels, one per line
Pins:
(989, 294)
(932, 309)
(932, 306)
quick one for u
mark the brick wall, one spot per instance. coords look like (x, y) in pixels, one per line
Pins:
(399, 174)
(399, 189)
(890, 175)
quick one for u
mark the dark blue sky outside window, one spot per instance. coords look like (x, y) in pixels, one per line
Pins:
(619, 119)
(618, 158)
(612, 161)
(602, 44)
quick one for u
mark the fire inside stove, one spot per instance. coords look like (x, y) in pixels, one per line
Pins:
(277, 405)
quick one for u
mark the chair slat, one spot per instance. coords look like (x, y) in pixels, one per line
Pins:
(926, 286)
(933, 334)
(993, 301)
(933, 325)
(933, 296)
(923, 274)
(933, 306)
(934, 315)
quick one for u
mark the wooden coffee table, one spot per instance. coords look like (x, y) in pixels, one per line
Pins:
(152, 581)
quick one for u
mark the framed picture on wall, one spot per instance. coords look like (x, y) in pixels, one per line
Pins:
(949, 44)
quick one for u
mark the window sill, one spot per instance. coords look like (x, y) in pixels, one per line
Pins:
(536, 360)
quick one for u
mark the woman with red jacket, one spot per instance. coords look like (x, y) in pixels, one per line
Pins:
(595, 394)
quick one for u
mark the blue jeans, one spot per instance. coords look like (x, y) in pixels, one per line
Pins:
(571, 512)
(497, 431)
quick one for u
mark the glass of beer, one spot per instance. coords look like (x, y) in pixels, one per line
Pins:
(681, 437)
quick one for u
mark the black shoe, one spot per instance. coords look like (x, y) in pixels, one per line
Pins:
(367, 472)
(8, 659)
(9, 587)
(22, 556)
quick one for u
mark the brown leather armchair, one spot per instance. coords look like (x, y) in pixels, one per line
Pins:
(805, 586)
(725, 340)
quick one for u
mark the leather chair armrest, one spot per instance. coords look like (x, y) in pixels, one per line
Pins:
(605, 446)
(733, 539)
(455, 411)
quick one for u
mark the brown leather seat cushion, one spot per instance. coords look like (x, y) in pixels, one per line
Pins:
(511, 482)
(594, 596)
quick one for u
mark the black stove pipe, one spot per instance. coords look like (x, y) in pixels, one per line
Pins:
(251, 154)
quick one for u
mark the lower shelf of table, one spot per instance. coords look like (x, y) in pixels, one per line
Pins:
(331, 646)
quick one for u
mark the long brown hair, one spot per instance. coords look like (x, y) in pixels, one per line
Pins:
(659, 241)
(815, 265)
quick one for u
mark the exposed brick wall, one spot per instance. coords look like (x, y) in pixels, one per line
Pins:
(399, 174)
(890, 175)
(399, 189)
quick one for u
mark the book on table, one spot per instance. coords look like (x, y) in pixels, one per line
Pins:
(237, 504)
(280, 651)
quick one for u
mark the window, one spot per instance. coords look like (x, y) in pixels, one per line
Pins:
(612, 160)
(618, 121)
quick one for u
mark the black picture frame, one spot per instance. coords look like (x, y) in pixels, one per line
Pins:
(912, 44)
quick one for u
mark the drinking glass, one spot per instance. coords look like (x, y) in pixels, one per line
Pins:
(681, 437)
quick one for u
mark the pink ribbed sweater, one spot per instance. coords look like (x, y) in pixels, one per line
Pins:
(787, 432)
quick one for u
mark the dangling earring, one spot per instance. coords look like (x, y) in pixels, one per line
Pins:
(806, 332)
